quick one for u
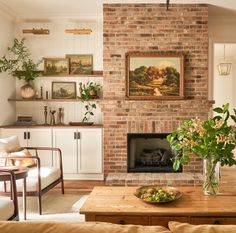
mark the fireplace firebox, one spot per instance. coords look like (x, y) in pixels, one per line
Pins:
(149, 153)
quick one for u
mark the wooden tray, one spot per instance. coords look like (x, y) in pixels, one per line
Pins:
(80, 123)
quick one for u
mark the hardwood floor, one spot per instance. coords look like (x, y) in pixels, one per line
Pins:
(227, 183)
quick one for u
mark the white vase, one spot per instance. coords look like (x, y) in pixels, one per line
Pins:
(211, 176)
(27, 91)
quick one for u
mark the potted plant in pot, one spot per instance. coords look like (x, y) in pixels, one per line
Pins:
(213, 140)
(88, 92)
(22, 66)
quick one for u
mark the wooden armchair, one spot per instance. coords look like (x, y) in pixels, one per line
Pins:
(40, 178)
(9, 208)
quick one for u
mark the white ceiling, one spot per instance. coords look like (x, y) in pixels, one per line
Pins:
(89, 9)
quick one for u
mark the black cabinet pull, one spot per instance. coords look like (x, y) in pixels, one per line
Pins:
(78, 135)
(74, 135)
(121, 222)
(24, 135)
(28, 135)
(216, 222)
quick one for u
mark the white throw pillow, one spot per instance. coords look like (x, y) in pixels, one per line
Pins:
(8, 145)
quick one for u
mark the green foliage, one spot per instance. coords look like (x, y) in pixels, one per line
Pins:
(19, 63)
(213, 139)
(85, 96)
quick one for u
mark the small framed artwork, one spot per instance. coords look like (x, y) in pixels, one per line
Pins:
(80, 63)
(63, 90)
(153, 76)
(56, 66)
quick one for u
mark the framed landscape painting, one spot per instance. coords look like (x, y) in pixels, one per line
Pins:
(154, 76)
(63, 90)
(56, 66)
(80, 64)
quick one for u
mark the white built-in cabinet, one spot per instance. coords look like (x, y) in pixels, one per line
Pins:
(81, 148)
(33, 137)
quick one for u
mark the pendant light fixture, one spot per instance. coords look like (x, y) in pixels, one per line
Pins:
(225, 66)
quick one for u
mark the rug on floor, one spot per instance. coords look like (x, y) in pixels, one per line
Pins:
(58, 207)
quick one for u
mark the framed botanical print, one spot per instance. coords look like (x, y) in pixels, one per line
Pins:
(154, 76)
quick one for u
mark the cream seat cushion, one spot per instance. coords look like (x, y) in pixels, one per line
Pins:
(6, 208)
(48, 176)
(75, 227)
(176, 227)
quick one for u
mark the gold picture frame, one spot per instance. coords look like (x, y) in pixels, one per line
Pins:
(151, 76)
(56, 66)
(80, 64)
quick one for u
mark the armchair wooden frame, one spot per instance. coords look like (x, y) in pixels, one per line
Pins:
(41, 191)
(5, 177)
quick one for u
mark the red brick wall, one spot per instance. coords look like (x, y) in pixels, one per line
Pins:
(145, 28)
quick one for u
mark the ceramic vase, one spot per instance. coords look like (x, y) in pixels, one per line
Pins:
(27, 91)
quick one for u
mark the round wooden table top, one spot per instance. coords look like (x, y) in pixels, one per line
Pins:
(20, 173)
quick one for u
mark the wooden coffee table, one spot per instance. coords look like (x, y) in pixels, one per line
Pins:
(119, 205)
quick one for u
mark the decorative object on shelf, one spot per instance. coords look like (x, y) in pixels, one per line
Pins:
(41, 92)
(45, 115)
(80, 64)
(80, 123)
(167, 4)
(27, 91)
(213, 140)
(63, 90)
(25, 120)
(153, 76)
(56, 66)
(60, 116)
(47, 95)
(40, 31)
(52, 118)
(89, 91)
(225, 66)
(79, 31)
(22, 66)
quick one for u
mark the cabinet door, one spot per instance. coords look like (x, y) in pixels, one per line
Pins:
(21, 133)
(65, 140)
(41, 138)
(90, 151)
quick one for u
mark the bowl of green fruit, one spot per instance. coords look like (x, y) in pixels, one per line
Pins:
(156, 195)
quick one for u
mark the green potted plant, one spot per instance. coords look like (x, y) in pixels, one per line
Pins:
(213, 140)
(21, 65)
(88, 92)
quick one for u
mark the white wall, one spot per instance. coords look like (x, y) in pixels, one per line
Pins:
(224, 86)
(7, 83)
(58, 44)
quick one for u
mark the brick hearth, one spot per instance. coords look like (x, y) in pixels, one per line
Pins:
(162, 179)
(145, 28)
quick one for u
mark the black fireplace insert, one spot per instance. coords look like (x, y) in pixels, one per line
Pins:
(149, 153)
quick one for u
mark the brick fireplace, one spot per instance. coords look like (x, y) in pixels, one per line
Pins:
(145, 28)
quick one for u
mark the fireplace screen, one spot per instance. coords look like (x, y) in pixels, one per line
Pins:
(149, 153)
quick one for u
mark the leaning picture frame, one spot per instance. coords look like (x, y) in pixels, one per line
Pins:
(56, 66)
(80, 64)
(63, 90)
(151, 76)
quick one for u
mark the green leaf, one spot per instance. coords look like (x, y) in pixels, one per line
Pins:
(218, 110)
(176, 165)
